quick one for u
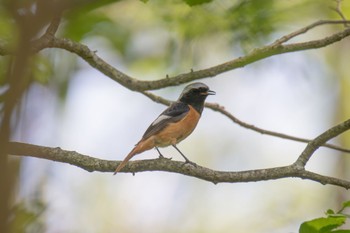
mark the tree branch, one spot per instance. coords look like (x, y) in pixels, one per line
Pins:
(306, 29)
(338, 10)
(217, 108)
(91, 164)
(320, 140)
(49, 35)
(137, 85)
(95, 61)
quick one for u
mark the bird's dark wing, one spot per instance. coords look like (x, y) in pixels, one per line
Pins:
(175, 112)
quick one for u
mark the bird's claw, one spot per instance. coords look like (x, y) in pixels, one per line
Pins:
(162, 157)
(189, 162)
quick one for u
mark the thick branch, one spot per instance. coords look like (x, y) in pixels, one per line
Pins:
(93, 164)
(137, 85)
(133, 84)
(95, 61)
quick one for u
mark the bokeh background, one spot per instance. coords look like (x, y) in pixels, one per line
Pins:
(71, 105)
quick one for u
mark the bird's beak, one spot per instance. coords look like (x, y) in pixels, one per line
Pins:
(209, 92)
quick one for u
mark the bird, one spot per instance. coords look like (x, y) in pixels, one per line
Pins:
(174, 124)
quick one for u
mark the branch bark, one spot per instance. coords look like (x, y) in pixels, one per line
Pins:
(313, 145)
(137, 85)
(134, 84)
(92, 164)
(88, 163)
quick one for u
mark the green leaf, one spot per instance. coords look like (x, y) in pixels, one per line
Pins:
(330, 212)
(322, 225)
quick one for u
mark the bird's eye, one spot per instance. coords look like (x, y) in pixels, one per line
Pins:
(194, 91)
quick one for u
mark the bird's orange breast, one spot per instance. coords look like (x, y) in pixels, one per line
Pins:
(177, 131)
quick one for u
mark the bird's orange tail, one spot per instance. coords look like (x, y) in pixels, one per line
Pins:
(139, 148)
(124, 162)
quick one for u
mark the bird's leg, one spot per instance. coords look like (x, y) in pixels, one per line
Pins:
(186, 159)
(160, 154)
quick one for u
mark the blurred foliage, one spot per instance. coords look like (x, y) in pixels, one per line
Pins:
(7, 27)
(196, 2)
(154, 37)
(80, 26)
(331, 223)
(27, 217)
(41, 69)
(28, 208)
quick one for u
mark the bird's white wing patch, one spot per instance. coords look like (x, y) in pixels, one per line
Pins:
(160, 118)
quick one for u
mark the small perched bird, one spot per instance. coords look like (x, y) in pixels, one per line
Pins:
(174, 124)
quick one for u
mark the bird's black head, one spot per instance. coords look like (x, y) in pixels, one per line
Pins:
(195, 95)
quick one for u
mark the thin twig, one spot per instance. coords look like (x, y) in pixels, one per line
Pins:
(303, 30)
(221, 109)
(53, 26)
(218, 108)
(49, 34)
(338, 10)
(320, 140)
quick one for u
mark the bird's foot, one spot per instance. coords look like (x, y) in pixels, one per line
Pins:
(189, 162)
(162, 157)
